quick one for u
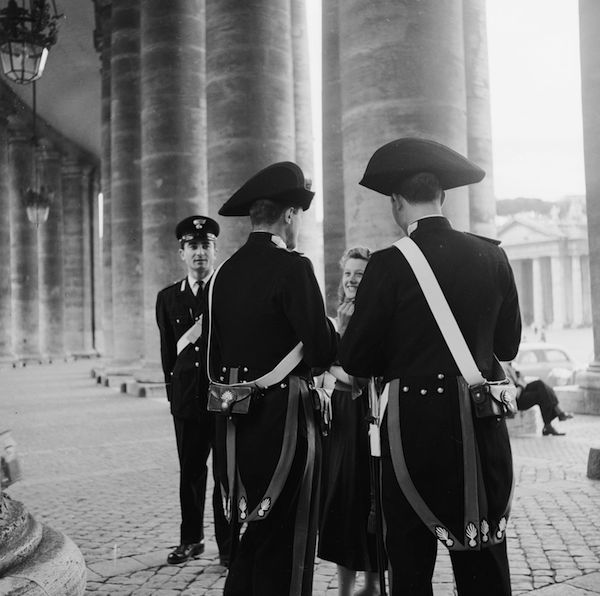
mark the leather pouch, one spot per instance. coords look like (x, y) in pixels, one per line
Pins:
(229, 399)
(494, 399)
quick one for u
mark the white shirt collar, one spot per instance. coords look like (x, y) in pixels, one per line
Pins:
(278, 241)
(415, 224)
(192, 281)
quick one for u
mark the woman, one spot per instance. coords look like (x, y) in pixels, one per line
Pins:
(346, 500)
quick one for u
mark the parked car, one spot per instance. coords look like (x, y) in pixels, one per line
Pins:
(549, 362)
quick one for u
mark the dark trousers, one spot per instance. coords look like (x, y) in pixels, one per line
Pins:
(194, 442)
(412, 551)
(538, 393)
(262, 565)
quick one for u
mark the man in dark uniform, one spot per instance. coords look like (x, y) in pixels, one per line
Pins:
(265, 301)
(446, 475)
(178, 313)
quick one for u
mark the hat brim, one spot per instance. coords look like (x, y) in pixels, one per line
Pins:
(391, 164)
(297, 197)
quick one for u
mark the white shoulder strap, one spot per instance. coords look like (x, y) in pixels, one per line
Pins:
(283, 368)
(441, 311)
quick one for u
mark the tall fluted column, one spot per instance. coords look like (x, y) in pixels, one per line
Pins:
(311, 233)
(250, 99)
(577, 291)
(74, 248)
(50, 248)
(539, 299)
(90, 190)
(6, 352)
(103, 39)
(482, 202)
(23, 254)
(402, 74)
(173, 147)
(97, 273)
(559, 289)
(589, 24)
(126, 212)
(334, 226)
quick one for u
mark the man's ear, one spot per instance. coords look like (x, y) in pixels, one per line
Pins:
(288, 214)
(181, 253)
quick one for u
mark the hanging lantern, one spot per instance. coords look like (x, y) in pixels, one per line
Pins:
(28, 30)
(37, 205)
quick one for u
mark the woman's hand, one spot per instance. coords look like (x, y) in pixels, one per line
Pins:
(344, 313)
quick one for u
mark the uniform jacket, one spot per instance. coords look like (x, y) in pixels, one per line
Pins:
(395, 333)
(454, 468)
(185, 375)
(265, 300)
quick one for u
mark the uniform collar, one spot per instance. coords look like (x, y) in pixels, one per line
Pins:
(267, 236)
(191, 281)
(429, 222)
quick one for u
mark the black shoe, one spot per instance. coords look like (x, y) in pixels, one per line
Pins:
(562, 416)
(550, 430)
(185, 551)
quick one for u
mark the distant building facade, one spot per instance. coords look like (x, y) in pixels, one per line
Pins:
(550, 259)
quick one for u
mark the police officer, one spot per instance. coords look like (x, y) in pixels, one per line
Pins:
(446, 475)
(178, 313)
(267, 310)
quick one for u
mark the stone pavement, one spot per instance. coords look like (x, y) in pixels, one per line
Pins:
(101, 466)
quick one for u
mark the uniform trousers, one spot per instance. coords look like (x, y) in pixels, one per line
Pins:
(412, 551)
(538, 393)
(262, 565)
(195, 438)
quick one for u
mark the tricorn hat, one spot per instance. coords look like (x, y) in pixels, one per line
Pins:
(391, 164)
(282, 182)
(196, 227)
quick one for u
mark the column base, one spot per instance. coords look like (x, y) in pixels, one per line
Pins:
(149, 381)
(584, 397)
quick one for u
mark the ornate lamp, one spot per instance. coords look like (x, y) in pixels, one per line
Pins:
(37, 197)
(28, 30)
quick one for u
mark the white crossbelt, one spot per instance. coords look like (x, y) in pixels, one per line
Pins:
(441, 311)
(190, 336)
(283, 368)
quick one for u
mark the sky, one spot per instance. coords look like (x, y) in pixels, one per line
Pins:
(535, 94)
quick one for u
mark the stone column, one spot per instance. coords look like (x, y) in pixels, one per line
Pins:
(90, 190)
(97, 274)
(559, 288)
(103, 45)
(50, 248)
(311, 233)
(173, 147)
(538, 294)
(6, 353)
(334, 226)
(589, 24)
(250, 99)
(482, 202)
(74, 276)
(23, 254)
(125, 201)
(402, 74)
(577, 289)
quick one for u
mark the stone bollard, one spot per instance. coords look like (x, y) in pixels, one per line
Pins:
(593, 468)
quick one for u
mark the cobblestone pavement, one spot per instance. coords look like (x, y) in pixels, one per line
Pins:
(101, 466)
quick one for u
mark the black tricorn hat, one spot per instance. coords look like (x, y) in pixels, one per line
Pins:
(196, 227)
(391, 164)
(282, 182)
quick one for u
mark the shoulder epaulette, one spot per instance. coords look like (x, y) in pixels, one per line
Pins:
(490, 240)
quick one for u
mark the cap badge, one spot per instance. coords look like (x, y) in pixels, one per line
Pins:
(199, 223)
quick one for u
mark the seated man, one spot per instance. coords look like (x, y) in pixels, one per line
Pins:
(540, 394)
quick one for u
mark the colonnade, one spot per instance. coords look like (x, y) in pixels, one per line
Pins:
(46, 276)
